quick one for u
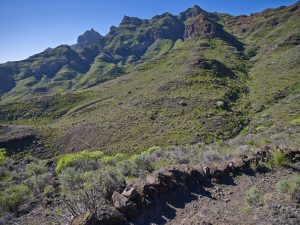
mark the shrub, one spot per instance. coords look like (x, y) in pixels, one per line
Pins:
(83, 191)
(3, 156)
(149, 151)
(288, 186)
(128, 168)
(252, 196)
(296, 121)
(211, 156)
(277, 159)
(3, 172)
(35, 169)
(144, 163)
(38, 177)
(38, 183)
(14, 196)
(283, 186)
(80, 158)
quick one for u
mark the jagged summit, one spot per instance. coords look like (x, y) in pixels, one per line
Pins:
(192, 12)
(131, 20)
(89, 37)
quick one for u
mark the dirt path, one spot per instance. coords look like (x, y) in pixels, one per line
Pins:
(225, 203)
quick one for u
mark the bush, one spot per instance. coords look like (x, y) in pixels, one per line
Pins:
(144, 163)
(83, 191)
(39, 183)
(283, 186)
(288, 186)
(252, 196)
(128, 168)
(3, 156)
(78, 159)
(35, 169)
(14, 196)
(211, 156)
(38, 177)
(3, 172)
(277, 159)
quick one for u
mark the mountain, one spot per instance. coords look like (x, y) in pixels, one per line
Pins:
(198, 76)
(198, 112)
(95, 59)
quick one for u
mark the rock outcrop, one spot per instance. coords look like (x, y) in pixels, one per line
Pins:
(89, 37)
(201, 26)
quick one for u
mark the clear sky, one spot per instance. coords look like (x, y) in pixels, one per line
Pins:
(30, 26)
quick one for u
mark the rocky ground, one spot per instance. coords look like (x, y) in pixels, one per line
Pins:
(226, 203)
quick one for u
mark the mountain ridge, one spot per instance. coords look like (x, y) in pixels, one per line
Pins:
(159, 77)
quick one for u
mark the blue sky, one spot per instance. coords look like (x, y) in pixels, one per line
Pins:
(30, 26)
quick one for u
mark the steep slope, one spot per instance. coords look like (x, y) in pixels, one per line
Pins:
(104, 58)
(208, 104)
(188, 79)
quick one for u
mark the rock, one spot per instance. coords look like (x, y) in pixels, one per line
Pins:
(216, 173)
(131, 194)
(111, 216)
(295, 197)
(88, 218)
(142, 188)
(206, 171)
(182, 103)
(89, 37)
(197, 173)
(201, 26)
(155, 185)
(124, 205)
(220, 104)
(239, 164)
(153, 179)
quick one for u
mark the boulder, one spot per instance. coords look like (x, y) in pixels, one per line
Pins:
(239, 164)
(111, 216)
(155, 185)
(88, 218)
(131, 194)
(197, 173)
(220, 104)
(124, 205)
(168, 178)
(139, 186)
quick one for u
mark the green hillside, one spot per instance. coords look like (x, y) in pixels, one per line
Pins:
(171, 80)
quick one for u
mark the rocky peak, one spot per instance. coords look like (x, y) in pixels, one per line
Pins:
(89, 37)
(131, 20)
(201, 26)
(192, 12)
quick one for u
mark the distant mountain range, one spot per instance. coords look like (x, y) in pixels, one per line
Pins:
(95, 58)
(171, 79)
